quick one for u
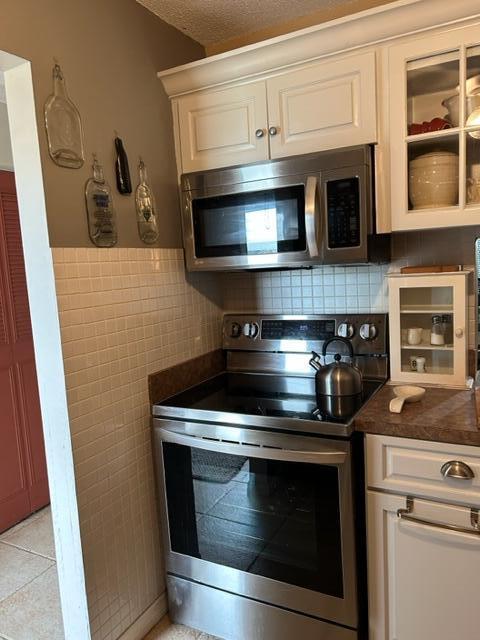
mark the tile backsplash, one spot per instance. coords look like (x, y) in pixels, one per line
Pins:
(352, 289)
(124, 313)
(322, 290)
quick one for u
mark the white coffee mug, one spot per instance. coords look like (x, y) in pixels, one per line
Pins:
(417, 363)
(421, 365)
(414, 335)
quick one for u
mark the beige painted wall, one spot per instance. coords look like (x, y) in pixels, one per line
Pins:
(110, 51)
(282, 27)
(6, 161)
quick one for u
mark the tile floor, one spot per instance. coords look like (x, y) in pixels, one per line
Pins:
(29, 598)
(165, 630)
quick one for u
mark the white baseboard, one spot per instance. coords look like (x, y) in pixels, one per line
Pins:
(149, 618)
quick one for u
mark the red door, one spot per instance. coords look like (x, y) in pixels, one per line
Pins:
(23, 471)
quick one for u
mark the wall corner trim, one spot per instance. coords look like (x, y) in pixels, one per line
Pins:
(149, 618)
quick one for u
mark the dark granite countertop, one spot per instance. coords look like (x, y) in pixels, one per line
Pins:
(443, 415)
(167, 382)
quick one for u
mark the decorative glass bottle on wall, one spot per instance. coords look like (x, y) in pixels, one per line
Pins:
(102, 226)
(122, 172)
(63, 125)
(145, 205)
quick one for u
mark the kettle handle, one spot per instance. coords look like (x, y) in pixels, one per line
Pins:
(339, 339)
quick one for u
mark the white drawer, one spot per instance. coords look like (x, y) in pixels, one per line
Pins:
(413, 467)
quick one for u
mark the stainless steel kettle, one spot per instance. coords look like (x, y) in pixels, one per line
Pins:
(338, 378)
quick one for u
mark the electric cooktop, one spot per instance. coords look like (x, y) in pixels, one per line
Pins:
(284, 402)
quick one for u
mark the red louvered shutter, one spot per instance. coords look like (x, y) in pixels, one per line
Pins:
(23, 473)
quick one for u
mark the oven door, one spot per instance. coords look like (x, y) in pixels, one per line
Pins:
(265, 223)
(259, 514)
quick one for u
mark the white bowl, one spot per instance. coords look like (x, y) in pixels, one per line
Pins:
(409, 392)
(433, 180)
(405, 393)
(435, 158)
(452, 105)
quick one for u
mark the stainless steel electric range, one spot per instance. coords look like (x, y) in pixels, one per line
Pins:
(261, 492)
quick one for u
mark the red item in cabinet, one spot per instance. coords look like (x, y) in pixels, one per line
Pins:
(437, 124)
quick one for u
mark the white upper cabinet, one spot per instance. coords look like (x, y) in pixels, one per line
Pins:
(434, 130)
(222, 128)
(323, 106)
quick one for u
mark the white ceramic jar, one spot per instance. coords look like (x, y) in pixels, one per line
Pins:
(433, 180)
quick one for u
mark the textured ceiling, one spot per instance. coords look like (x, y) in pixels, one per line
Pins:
(210, 21)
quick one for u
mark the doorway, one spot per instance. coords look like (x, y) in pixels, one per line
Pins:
(51, 401)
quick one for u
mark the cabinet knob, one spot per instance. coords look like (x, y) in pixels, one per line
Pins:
(459, 333)
(273, 131)
(259, 133)
(457, 469)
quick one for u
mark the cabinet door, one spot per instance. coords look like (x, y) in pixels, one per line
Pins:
(434, 122)
(416, 302)
(223, 128)
(423, 580)
(323, 106)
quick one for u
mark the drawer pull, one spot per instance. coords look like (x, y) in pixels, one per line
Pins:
(406, 514)
(457, 469)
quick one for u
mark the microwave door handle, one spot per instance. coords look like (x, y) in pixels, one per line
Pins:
(325, 456)
(312, 216)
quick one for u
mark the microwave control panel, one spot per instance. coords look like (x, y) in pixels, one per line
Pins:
(343, 213)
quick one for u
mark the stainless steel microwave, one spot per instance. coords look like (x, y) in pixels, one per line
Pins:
(300, 211)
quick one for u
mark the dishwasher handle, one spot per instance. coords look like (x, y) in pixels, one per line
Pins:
(322, 455)
(406, 514)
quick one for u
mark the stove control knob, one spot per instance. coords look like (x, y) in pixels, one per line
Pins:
(368, 331)
(235, 330)
(251, 329)
(345, 330)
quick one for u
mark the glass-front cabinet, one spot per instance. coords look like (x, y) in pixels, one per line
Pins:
(434, 124)
(428, 328)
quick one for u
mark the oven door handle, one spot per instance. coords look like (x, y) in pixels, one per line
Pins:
(312, 215)
(323, 455)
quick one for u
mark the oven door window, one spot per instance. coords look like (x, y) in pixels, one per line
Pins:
(253, 223)
(275, 519)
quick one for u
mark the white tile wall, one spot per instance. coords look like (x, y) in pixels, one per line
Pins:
(124, 313)
(322, 290)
